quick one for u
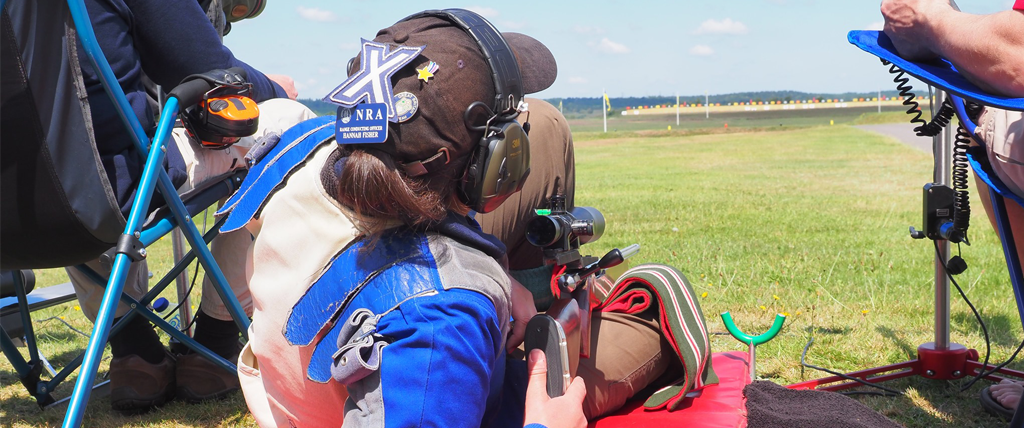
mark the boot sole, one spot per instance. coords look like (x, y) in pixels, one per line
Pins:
(139, 405)
(192, 398)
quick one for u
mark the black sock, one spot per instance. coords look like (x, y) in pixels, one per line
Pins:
(221, 337)
(137, 338)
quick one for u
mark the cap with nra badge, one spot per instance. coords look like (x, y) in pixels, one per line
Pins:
(424, 72)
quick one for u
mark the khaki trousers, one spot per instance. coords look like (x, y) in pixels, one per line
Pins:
(230, 250)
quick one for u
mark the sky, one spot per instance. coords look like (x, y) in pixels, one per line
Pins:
(627, 48)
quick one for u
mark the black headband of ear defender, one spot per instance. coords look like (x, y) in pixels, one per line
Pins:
(508, 83)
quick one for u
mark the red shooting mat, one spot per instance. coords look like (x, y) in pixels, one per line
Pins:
(716, 406)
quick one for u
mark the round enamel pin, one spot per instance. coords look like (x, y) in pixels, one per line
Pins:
(406, 105)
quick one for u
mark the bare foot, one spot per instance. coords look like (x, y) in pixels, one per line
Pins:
(1007, 393)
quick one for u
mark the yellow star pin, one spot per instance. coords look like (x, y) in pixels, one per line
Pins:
(425, 74)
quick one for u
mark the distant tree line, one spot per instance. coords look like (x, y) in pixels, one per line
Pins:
(588, 107)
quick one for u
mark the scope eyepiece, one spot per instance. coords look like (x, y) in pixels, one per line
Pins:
(586, 224)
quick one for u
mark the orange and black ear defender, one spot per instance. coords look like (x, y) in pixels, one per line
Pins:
(225, 112)
(501, 161)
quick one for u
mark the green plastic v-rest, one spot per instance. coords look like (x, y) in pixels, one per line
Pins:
(754, 340)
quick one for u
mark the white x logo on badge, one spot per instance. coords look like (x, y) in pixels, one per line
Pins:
(378, 62)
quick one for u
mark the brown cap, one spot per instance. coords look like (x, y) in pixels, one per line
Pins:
(437, 131)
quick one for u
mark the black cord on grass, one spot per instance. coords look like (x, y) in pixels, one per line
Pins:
(889, 392)
(985, 373)
(984, 329)
(195, 275)
(187, 293)
(65, 323)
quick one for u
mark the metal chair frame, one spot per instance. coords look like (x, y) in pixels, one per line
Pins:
(136, 232)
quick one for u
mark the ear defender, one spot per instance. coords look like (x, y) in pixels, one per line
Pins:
(498, 169)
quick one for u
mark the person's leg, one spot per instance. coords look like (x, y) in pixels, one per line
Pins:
(1003, 134)
(1014, 213)
(141, 372)
(199, 379)
(232, 250)
(628, 354)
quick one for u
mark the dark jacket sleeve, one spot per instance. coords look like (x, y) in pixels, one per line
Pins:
(175, 39)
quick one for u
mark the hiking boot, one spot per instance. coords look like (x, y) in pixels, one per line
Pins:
(137, 386)
(199, 379)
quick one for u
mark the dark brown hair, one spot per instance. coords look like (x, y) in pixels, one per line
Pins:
(376, 188)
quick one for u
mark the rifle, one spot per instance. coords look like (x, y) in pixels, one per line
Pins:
(565, 329)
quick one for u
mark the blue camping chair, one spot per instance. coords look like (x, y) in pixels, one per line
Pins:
(943, 75)
(57, 206)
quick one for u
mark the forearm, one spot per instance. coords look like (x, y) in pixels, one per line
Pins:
(987, 49)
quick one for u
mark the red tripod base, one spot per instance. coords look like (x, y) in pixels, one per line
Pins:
(946, 364)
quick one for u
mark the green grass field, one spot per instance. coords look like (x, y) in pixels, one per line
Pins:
(812, 222)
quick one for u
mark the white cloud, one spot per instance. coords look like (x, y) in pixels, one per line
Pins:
(876, 26)
(608, 46)
(316, 14)
(725, 26)
(578, 80)
(702, 50)
(486, 12)
(586, 29)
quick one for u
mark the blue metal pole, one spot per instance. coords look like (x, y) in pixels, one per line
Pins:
(101, 329)
(961, 113)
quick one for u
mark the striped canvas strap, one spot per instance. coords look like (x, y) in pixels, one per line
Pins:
(681, 320)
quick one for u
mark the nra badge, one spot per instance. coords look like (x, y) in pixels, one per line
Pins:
(406, 105)
(362, 124)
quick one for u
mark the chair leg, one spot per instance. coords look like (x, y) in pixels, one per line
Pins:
(29, 372)
(184, 309)
(152, 175)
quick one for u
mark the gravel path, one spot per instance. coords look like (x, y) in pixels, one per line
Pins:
(904, 132)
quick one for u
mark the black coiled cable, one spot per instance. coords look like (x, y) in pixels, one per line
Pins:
(939, 121)
(903, 85)
(961, 202)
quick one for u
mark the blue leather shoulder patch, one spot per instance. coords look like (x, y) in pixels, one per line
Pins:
(296, 144)
(938, 73)
(379, 278)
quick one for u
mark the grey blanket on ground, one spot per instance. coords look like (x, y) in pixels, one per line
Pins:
(770, 405)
